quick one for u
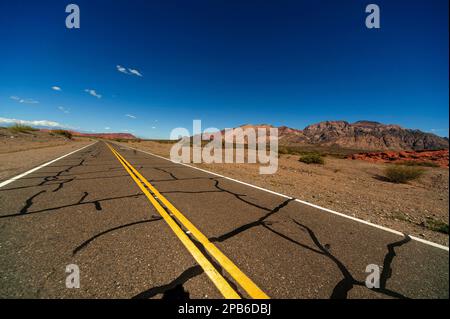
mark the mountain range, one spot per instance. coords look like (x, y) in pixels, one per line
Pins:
(363, 135)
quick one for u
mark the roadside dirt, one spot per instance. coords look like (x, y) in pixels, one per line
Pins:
(20, 152)
(355, 188)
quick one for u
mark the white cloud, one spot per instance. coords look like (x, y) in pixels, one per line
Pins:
(130, 116)
(63, 109)
(135, 72)
(31, 123)
(121, 69)
(56, 88)
(153, 127)
(25, 101)
(128, 71)
(107, 128)
(93, 93)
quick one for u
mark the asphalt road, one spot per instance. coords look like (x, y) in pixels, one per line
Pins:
(87, 209)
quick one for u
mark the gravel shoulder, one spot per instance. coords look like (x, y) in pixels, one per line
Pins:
(351, 187)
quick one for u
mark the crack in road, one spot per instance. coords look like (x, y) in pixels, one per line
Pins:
(88, 241)
(29, 203)
(80, 202)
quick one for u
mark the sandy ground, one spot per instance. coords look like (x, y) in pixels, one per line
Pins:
(351, 187)
(23, 151)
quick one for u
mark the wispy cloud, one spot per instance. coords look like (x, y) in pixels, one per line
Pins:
(25, 101)
(45, 123)
(63, 109)
(107, 128)
(93, 93)
(121, 69)
(56, 88)
(130, 116)
(128, 71)
(135, 72)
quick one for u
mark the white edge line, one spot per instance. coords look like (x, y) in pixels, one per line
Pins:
(427, 242)
(40, 166)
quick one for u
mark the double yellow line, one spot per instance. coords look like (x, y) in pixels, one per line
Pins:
(158, 200)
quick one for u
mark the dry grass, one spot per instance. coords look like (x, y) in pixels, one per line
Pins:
(19, 128)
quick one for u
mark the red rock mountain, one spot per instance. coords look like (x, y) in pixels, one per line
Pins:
(362, 135)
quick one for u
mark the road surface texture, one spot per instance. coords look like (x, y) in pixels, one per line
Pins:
(139, 226)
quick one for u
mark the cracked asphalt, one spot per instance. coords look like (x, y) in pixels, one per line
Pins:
(85, 209)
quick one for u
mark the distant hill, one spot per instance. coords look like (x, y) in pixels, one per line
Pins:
(363, 135)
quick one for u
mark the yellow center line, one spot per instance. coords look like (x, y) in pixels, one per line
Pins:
(219, 281)
(245, 282)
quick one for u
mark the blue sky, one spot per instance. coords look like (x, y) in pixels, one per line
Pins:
(227, 63)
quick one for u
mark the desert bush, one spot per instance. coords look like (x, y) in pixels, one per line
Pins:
(402, 174)
(312, 158)
(19, 128)
(64, 133)
(436, 225)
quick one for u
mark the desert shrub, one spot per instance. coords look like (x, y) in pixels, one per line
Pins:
(19, 128)
(64, 133)
(436, 225)
(312, 158)
(416, 163)
(402, 174)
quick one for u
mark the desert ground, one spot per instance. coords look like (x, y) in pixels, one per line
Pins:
(21, 151)
(352, 187)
